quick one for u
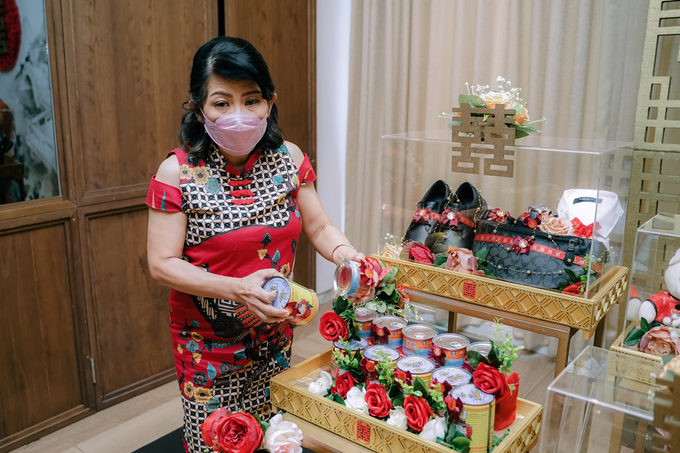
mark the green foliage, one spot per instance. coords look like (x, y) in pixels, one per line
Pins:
(503, 349)
(633, 337)
(337, 398)
(472, 99)
(644, 325)
(349, 361)
(497, 440)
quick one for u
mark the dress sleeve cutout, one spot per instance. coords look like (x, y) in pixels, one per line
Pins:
(307, 174)
(163, 197)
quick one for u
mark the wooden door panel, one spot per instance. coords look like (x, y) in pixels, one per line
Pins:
(130, 310)
(130, 65)
(39, 376)
(285, 35)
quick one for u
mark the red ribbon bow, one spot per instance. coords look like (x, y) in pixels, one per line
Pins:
(425, 215)
(583, 231)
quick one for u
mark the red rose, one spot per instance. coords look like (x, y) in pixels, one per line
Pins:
(421, 254)
(343, 384)
(379, 404)
(333, 326)
(489, 380)
(573, 290)
(418, 412)
(232, 433)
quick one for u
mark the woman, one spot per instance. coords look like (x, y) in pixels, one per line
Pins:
(227, 208)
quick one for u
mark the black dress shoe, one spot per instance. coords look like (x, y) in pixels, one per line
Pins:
(428, 212)
(458, 221)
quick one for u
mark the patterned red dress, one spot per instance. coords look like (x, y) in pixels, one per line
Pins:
(237, 223)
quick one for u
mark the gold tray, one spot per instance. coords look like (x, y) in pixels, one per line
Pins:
(552, 306)
(375, 434)
(637, 370)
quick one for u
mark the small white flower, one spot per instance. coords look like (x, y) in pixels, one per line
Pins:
(433, 429)
(674, 335)
(356, 399)
(676, 323)
(320, 386)
(397, 418)
(283, 437)
(667, 320)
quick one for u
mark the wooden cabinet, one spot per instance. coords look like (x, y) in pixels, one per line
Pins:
(84, 326)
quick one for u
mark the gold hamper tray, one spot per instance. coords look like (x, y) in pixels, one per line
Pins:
(552, 306)
(375, 434)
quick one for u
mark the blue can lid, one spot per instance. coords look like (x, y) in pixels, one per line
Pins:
(281, 287)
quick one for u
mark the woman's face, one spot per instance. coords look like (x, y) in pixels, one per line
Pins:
(227, 96)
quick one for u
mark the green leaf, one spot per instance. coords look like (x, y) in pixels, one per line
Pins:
(389, 288)
(419, 385)
(528, 129)
(451, 432)
(562, 285)
(572, 276)
(454, 123)
(463, 99)
(634, 337)
(382, 306)
(337, 398)
(460, 442)
(340, 305)
(440, 260)
(667, 358)
(476, 102)
(520, 134)
(474, 358)
(482, 253)
(644, 325)
(391, 275)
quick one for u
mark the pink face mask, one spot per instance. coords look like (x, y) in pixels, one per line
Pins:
(236, 133)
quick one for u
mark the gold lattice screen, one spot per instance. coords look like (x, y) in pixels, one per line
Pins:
(655, 172)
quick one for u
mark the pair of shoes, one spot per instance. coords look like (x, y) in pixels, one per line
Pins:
(453, 214)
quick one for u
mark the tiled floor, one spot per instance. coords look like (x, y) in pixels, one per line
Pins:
(136, 422)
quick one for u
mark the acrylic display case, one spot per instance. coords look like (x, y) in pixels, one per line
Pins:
(594, 406)
(589, 176)
(656, 243)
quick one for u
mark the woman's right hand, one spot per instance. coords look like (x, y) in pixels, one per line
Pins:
(257, 300)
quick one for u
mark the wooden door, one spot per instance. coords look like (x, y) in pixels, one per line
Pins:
(285, 35)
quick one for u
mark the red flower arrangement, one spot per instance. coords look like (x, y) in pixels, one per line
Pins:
(489, 380)
(379, 404)
(232, 432)
(418, 412)
(333, 327)
(420, 254)
(343, 384)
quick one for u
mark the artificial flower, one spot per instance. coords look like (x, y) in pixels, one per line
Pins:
(283, 437)
(556, 225)
(581, 230)
(658, 341)
(494, 97)
(397, 418)
(498, 215)
(434, 428)
(403, 297)
(531, 222)
(322, 384)
(418, 412)
(380, 335)
(450, 218)
(521, 117)
(356, 399)
(343, 384)
(332, 327)
(378, 403)
(423, 214)
(462, 260)
(437, 354)
(372, 272)
(404, 376)
(392, 251)
(673, 365)
(522, 246)
(574, 290)
(232, 432)
(421, 254)
(489, 380)
(454, 407)
(368, 366)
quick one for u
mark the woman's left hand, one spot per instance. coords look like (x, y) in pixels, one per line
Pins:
(347, 253)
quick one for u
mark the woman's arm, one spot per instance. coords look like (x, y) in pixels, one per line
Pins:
(328, 240)
(165, 243)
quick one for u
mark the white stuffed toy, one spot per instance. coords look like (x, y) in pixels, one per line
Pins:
(664, 307)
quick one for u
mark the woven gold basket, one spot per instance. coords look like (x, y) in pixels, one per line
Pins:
(375, 434)
(552, 306)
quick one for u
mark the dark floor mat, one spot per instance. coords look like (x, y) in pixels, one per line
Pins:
(170, 443)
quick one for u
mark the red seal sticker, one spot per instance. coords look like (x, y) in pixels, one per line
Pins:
(469, 289)
(364, 432)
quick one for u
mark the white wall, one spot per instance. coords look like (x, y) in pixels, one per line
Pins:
(332, 86)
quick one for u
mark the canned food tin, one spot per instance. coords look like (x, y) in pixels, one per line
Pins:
(375, 354)
(453, 346)
(394, 326)
(417, 339)
(418, 366)
(301, 302)
(453, 375)
(478, 411)
(353, 346)
(364, 321)
(483, 347)
(347, 280)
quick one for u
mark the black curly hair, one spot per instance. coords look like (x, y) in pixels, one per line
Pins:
(231, 58)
